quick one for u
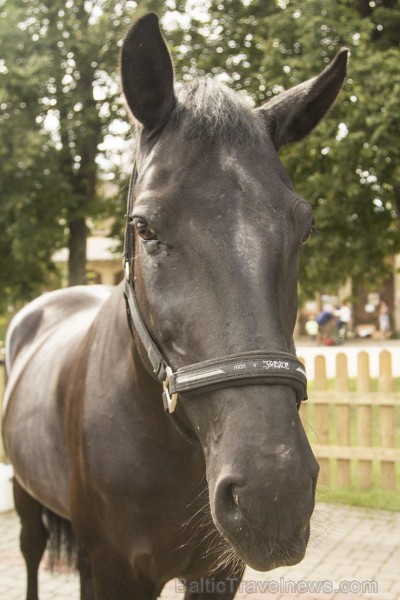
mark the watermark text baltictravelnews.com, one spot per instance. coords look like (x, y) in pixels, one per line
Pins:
(277, 586)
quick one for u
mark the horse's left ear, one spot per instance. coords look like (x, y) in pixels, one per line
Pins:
(147, 73)
(291, 115)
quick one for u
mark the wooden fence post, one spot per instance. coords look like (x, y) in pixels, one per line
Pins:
(342, 418)
(365, 449)
(321, 416)
(386, 420)
(364, 420)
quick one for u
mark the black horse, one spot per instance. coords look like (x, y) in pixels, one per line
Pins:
(214, 235)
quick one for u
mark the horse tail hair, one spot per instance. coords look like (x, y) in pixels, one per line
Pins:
(62, 544)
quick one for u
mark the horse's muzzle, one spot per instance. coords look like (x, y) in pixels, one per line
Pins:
(267, 523)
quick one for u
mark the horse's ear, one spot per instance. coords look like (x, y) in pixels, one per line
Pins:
(291, 115)
(147, 73)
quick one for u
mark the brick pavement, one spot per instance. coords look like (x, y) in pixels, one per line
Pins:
(347, 545)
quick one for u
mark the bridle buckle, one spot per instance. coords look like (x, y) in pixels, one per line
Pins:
(169, 399)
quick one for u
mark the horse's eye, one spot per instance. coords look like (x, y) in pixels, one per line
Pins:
(145, 232)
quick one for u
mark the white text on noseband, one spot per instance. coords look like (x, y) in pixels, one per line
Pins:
(275, 364)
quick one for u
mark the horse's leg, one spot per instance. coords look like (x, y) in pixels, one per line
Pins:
(33, 536)
(221, 586)
(85, 575)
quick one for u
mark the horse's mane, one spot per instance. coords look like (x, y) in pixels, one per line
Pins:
(209, 110)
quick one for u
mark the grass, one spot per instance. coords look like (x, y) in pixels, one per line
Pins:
(374, 497)
(354, 496)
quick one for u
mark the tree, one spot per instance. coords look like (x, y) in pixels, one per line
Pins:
(347, 171)
(59, 99)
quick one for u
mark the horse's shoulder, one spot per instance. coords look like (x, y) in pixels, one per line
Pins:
(58, 309)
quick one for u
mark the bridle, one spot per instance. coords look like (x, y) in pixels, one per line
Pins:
(236, 369)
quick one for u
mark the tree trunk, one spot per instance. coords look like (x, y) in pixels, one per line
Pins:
(77, 252)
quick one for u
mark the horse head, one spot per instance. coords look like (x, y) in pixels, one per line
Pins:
(218, 233)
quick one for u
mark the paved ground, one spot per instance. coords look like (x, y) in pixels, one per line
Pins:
(351, 548)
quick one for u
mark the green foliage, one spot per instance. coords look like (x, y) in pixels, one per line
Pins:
(60, 101)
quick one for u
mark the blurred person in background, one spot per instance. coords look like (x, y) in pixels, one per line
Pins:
(344, 316)
(384, 320)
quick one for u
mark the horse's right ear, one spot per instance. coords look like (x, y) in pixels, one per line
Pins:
(147, 74)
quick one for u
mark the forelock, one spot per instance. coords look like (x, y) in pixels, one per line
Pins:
(208, 109)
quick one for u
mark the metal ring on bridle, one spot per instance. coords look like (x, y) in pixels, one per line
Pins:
(169, 399)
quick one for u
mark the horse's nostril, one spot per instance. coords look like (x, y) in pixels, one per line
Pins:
(228, 495)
